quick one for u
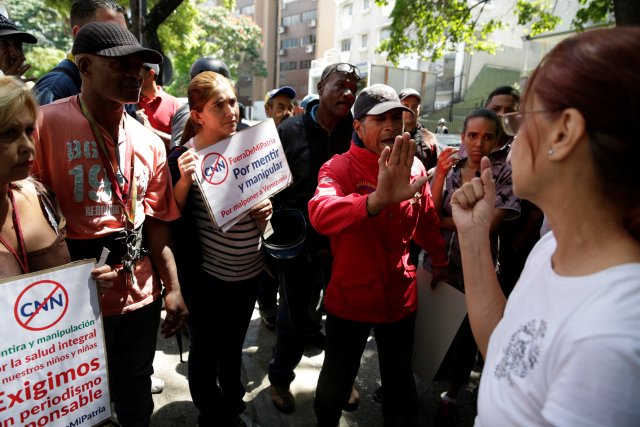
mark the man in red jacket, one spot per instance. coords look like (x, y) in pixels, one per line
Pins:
(371, 201)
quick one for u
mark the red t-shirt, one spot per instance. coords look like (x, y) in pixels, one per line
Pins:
(160, 110)
(69, 161)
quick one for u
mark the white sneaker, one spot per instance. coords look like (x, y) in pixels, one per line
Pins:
(157, 385)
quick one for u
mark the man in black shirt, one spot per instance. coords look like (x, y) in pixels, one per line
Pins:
(309, 140)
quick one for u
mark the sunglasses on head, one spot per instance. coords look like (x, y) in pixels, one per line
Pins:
(344, 68)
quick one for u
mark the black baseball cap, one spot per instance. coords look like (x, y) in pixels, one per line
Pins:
(9, 29)
(377, 99)
(113, 41)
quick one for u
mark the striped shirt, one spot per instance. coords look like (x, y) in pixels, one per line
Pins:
(230, 256)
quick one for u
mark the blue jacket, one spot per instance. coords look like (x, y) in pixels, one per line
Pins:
(61, 82)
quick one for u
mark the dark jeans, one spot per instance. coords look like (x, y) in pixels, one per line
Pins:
(268, 295)
(131, 346)
(346, 341)
(219, 315)
(301, 280)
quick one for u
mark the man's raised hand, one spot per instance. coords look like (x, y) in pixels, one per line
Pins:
(394, 175)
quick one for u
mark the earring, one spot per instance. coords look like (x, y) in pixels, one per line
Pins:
(550, 152)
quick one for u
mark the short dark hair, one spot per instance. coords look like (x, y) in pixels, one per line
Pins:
(485, 114)
(84, 11)
(504, 90)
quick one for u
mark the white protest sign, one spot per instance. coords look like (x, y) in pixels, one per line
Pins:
(239, 172)
(52, 355)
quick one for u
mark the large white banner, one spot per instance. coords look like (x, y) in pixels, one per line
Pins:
(52, 356)
(241, 171)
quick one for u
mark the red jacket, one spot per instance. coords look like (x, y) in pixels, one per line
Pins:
(372, 279)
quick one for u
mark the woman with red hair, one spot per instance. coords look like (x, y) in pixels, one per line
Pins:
(565, 348)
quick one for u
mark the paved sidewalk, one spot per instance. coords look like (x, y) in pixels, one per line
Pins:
(173, 407)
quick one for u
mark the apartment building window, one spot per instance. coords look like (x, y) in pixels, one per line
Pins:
(305, 64)
(309, 15)
(247, 10)
(288, 66)
(306, 40)
(366, 4)
(385, 33)
(364, 41)
(347, 10)
(291, 20)
(345, 45)
(288, 43)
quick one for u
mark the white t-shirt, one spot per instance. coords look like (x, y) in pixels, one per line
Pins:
(567, 351)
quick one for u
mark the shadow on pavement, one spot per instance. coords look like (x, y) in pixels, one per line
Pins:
(173, 407)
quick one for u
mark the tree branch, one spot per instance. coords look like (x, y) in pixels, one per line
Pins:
(160, 12)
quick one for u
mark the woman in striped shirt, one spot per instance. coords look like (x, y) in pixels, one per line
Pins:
(218, 270)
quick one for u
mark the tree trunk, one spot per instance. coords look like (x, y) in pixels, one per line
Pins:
(627, 12)
(136, 20)
(156, 16)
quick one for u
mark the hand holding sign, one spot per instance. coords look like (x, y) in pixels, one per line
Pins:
(104, 277)
(187, 164)
(262, 213)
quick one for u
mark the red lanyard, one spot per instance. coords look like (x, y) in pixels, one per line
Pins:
(22, 258)
(127, 195)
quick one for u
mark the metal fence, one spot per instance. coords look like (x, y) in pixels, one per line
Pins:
(453, 114)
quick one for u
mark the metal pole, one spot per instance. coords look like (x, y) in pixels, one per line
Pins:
(453, 87)
(276, 77)
(143, 14)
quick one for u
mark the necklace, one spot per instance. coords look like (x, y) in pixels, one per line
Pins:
(22, 258)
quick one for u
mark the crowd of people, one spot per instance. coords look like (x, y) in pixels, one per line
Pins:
(98, 155)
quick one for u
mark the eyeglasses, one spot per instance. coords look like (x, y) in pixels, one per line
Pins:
(343, 68)
(511, 122)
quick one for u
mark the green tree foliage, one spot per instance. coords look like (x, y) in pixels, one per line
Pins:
(592, 11)
(50, 30)
(48, 26)
(430, 28)
(187, 33)
(220, 34)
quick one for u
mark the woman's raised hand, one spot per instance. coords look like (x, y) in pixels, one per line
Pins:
(446, 160)
(473, 204)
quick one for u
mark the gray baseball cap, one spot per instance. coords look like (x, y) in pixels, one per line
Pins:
(377, 99)
(407, 92)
